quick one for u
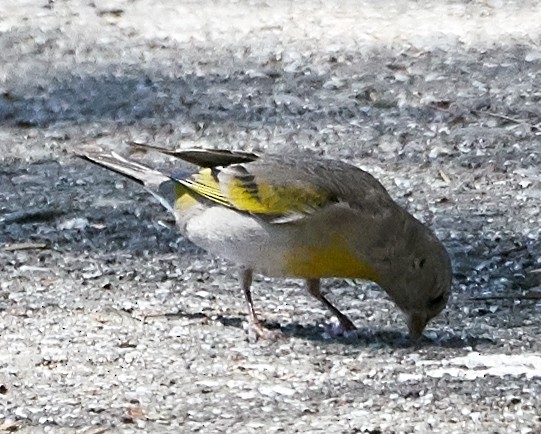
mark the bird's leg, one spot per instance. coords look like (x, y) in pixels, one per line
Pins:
(314, 289)
(246, 276)
(257, 330)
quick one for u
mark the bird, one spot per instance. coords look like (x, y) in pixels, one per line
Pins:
(298, 216)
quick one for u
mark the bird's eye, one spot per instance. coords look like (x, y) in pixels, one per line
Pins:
(419, 263)
(436, 301)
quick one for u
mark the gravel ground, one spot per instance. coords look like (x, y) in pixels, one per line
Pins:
(111, 322)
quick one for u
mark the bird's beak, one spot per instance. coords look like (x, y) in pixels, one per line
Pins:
(416, 324)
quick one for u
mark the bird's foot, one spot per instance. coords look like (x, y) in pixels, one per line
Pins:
(257, 331)
(333, 331)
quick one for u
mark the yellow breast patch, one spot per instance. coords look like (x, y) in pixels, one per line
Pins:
(332, 260)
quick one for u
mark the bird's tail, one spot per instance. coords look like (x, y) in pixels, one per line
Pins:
(202, 157)
(165, 187)
(157, 183)
(139, 173)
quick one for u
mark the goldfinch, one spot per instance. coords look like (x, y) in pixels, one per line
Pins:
(299, 217)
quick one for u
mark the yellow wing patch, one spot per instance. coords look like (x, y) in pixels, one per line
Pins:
(184, 198)
(263, 198)
(248, 195)
(204, 184)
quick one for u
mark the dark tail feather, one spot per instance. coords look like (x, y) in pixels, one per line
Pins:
(203, 157)
(155, 182)
(135, 171)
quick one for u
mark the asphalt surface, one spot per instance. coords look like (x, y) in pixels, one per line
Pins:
(111, 321)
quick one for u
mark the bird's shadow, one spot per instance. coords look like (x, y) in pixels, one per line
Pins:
(362, 337)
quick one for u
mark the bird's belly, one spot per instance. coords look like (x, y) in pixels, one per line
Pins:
(239, 238)
(299, 250)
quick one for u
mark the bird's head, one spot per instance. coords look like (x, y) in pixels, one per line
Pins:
(419, 280)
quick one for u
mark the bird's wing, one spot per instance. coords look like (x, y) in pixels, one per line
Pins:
(277, 188)
(265, 188)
